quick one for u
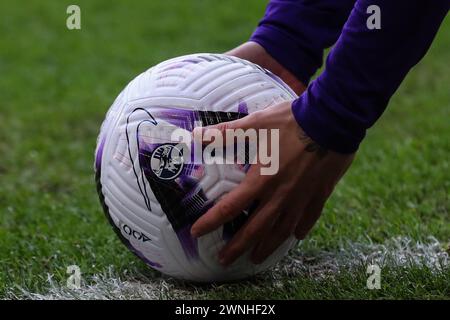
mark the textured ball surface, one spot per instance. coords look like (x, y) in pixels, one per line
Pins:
(152, 203)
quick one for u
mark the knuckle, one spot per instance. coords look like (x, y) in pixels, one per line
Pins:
(256, 116)
(258, 182)
(223, 126)
(252, 231)
(272, 208)
(236, 248)
(235, 251)
(226, 210)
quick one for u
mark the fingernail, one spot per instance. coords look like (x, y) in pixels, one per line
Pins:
(222, 258)
(194, 232)
(223, 261)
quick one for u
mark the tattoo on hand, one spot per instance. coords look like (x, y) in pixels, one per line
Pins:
(312, 146)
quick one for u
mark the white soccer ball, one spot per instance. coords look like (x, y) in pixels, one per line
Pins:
(152, 202)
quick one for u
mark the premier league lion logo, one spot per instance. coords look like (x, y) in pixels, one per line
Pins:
(167, 161)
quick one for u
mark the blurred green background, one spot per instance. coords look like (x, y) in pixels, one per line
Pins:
(56, 86)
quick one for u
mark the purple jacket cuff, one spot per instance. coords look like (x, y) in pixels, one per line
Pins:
(363, 70)
(327, 128)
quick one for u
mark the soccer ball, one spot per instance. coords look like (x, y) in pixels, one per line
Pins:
(149, 195)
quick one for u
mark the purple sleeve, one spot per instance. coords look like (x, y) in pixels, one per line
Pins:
(296, 32)
(364, 68)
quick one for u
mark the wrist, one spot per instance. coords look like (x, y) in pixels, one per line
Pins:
(256, 53)
(320, 122)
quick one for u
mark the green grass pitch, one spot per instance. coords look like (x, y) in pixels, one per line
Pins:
(55, 87)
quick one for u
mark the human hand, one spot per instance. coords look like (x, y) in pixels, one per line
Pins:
(289, 202)
(255, 53)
